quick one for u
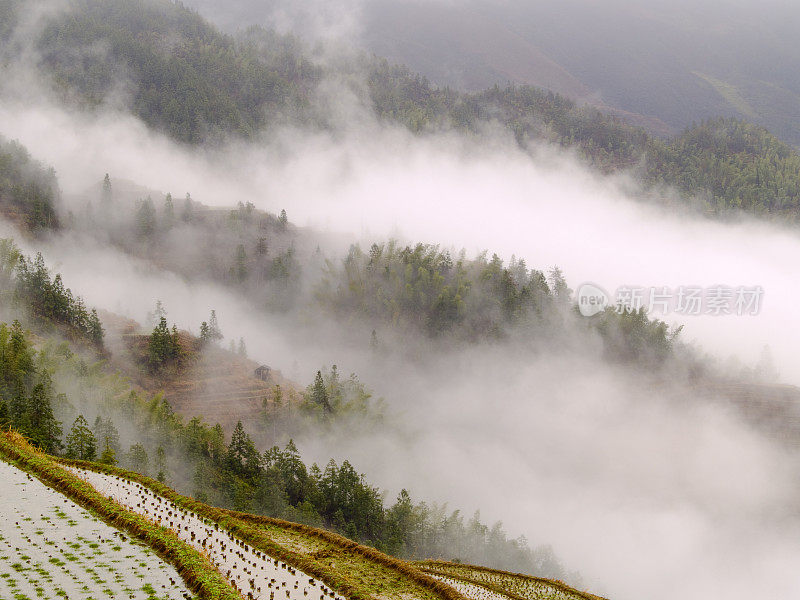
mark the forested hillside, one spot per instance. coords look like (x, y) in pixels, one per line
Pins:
(28, 191)
(181, 76)
(71, 404)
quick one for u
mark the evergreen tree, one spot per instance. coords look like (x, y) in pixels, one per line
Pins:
(81, 443)
(146, 218)
(154, 317)
(169, 212)
(187, 216)
(161, 464)
(42, 427)
(242, 456)
(108, 456)
(95, 329)
(163, 345)
(105, 432)
(213, 327)
(319, 394)
(137, 459)
(239, 269)
(106, 195)
(242, 348)
(205, 333)
(283, 220)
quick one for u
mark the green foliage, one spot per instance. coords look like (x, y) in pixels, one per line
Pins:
(46, 298)
(81, 443)
(318, 394)
(424, 287)
(195, 83)
(189, 80)
(106, 434)
(136, 459)
(26, 390)
(163, 345)
(242, 457)
(28, 190)
(330, 394)
(734, 164)
(630, 336)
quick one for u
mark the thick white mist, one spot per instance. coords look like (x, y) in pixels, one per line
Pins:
(377, 182)
(645, 496)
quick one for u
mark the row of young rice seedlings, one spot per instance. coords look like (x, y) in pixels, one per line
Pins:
(518, 586)
(52, 548)
(471, 590)
(256, 575)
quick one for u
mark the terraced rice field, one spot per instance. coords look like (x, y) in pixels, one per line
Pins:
(380, 580)
(52, 548)
(249, 570)
(480, 583)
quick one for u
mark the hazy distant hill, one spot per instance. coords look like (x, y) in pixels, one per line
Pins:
(674, 62)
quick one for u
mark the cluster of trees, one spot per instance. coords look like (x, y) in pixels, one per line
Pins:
(192, 82)
(330, 394)
(28, 190)
(278, 483)
(425, 287)
(26, 391)
(29, 284)
(163, 345)
(732, 165)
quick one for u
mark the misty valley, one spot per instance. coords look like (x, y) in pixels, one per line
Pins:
(378, 300)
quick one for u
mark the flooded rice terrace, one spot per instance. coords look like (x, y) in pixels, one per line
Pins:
(52, 548)
(252, 572)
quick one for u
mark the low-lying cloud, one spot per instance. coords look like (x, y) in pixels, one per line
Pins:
(646, 491)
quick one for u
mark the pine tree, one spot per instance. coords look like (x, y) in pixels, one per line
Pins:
(242, 348)
(187, 216)
(283, 220)
(104, 431)
(161, 464)
(146, 218)
(239, 268)
(81, 443)
(242, 456)
(161, 345)
(42, 427)
(175, 343)
(108, 457)
(319, 395)
(213, 327)
(95, 329)
(137, 459)
(205, 333)
(106, 195)
(154, 317)
(169, 212)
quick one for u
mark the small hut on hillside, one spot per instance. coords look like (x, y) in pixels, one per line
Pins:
(262, 373)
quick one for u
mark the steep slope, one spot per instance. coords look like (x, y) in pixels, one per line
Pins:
(186, 79)
(196, 571)
(675, 62)
(481, 583)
